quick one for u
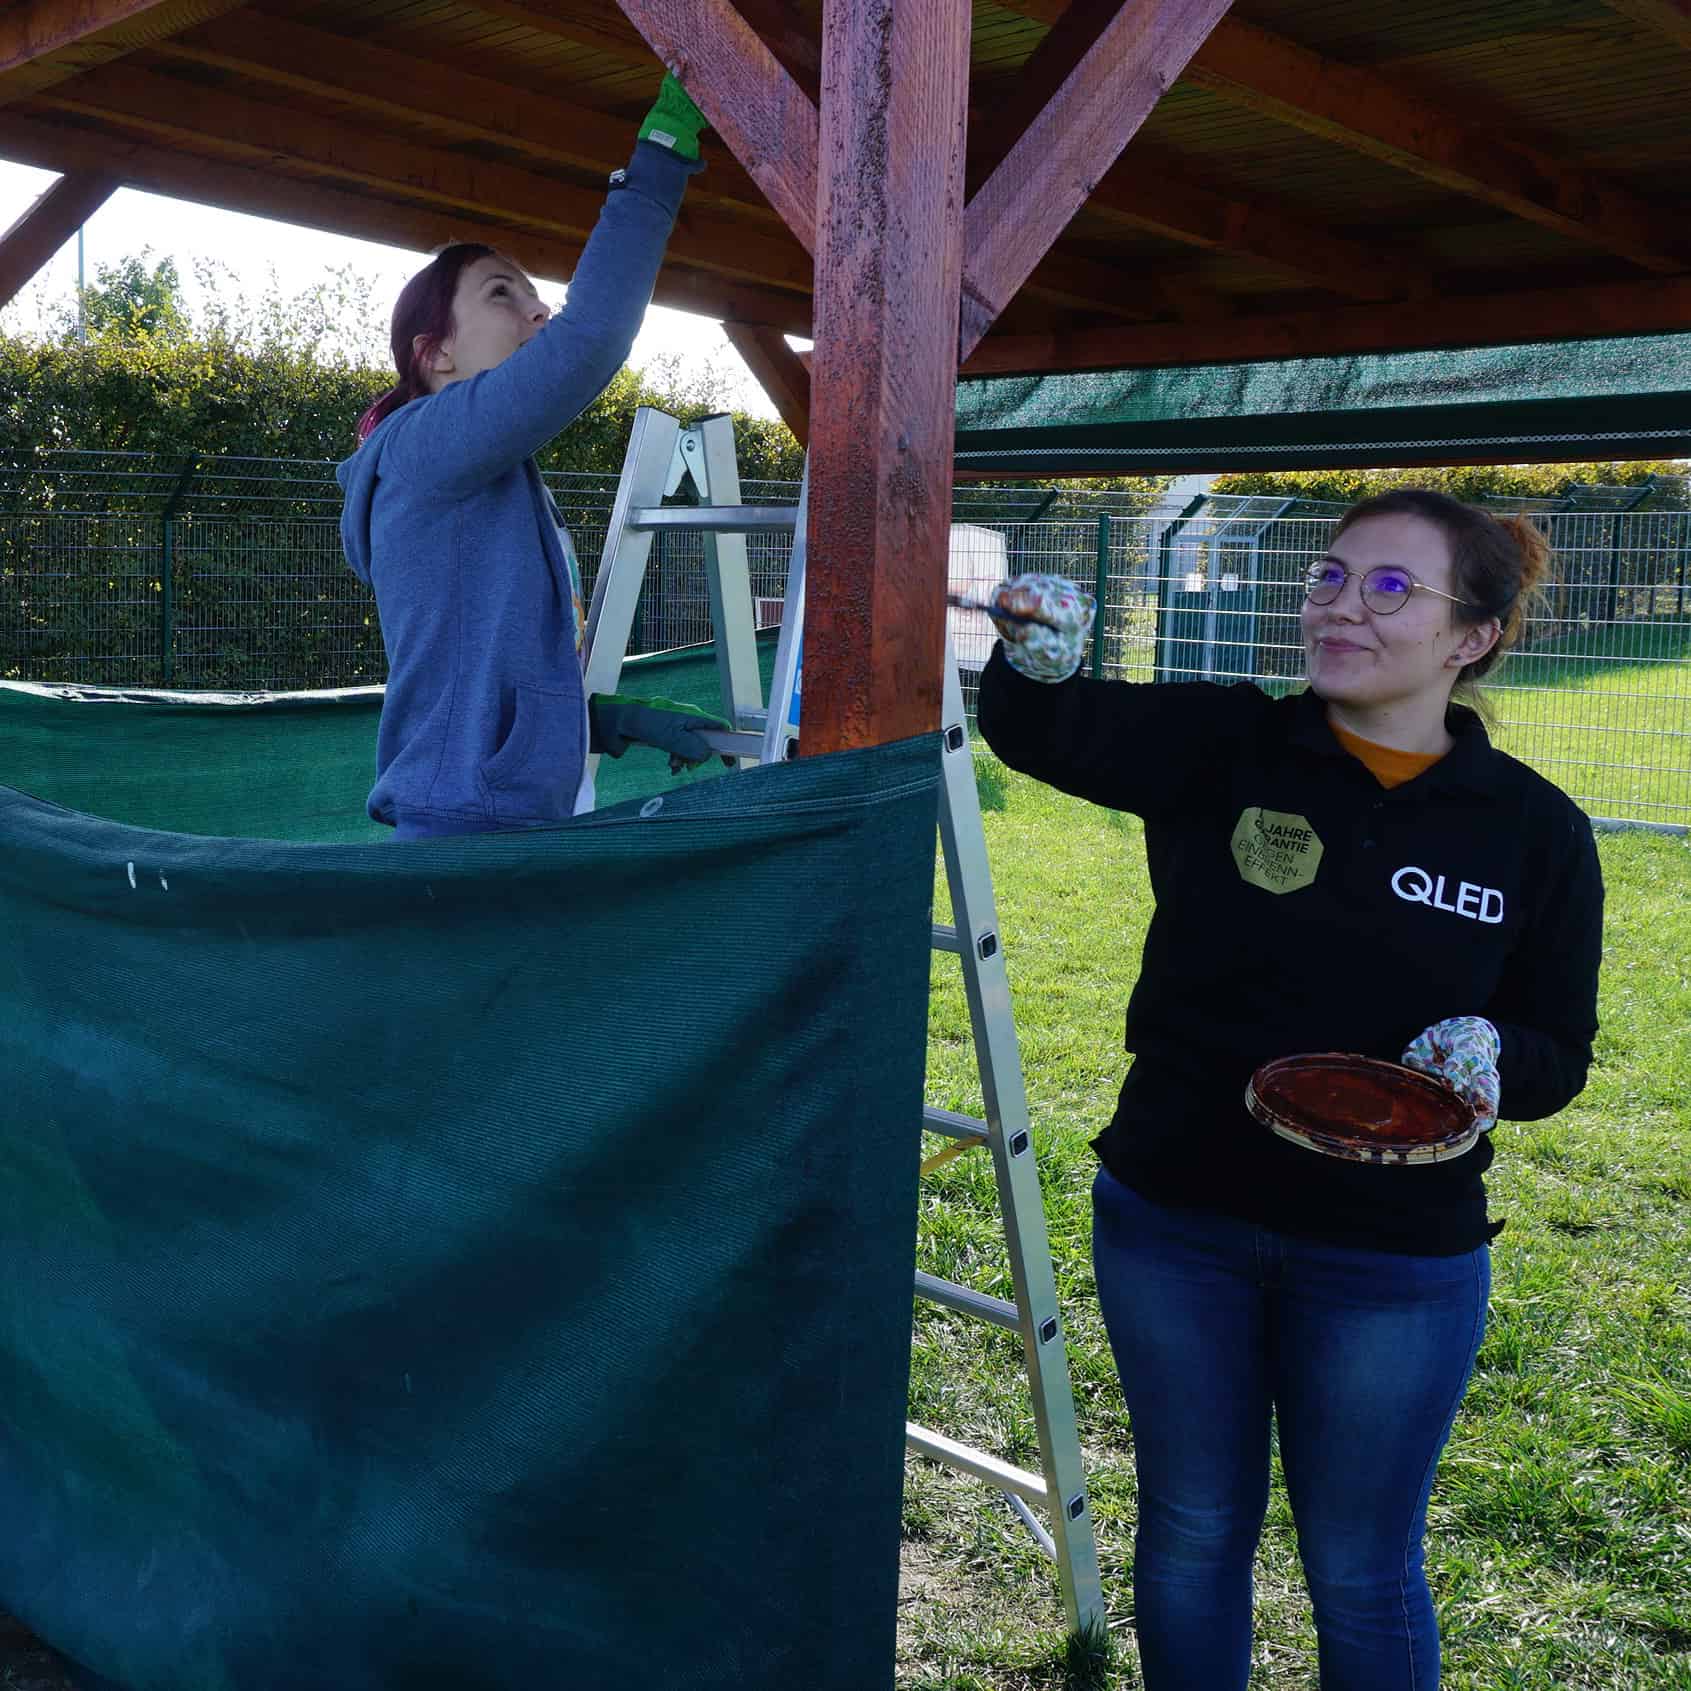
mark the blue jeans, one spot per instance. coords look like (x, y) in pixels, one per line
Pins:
(1361, 1358)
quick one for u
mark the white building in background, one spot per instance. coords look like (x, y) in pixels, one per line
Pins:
(980, 559)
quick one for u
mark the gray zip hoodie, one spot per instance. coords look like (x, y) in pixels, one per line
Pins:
(484, 725)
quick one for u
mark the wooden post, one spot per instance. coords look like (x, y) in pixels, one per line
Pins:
(889, 235)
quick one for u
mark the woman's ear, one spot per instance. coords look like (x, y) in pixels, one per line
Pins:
(1477, 639)
(432, 357)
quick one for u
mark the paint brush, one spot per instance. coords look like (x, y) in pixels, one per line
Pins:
(959, 603)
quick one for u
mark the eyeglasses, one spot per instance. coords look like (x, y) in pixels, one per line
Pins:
(1385, 588)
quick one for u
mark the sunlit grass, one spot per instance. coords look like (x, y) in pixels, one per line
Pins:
(1560, 1538)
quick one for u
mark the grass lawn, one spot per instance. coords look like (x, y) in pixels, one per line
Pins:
(1559, 1546)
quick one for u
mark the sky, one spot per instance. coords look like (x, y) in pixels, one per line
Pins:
(253, 248)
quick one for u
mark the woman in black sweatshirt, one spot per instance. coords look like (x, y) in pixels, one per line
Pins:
(1353, 868)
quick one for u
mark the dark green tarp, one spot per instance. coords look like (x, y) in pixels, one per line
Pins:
(279, 766)
(1551, 402)
(466, 1263)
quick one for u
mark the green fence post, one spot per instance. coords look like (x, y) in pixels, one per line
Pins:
(167, 573)
(1100, 578)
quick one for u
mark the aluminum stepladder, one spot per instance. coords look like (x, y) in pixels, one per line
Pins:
(660, 454)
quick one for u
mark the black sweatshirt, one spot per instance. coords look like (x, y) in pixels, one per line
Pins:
(1302, 907)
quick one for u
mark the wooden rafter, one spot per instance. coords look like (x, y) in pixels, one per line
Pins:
(889, 249)
(45, 227)
(228, 127)
(588, 23)
(1029, 199)
(1653, 306)
(789, 38)
(36, 35)
(315, 205)
(752, 101)
(780, 372)
(1371, 112)
(1147, 189)
(455, 102)
(1671, 17)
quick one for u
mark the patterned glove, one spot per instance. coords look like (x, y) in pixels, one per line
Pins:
(1044, 653)
(1462, 1050)
(674, 121)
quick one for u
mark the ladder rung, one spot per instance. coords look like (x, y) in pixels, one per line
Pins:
(730, 744)
(954, 1122)
(945, 938)
(716, 519)
(976, 1462)
(968, 1301)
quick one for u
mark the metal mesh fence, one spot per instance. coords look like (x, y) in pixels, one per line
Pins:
(129, 570)
(1596, 695)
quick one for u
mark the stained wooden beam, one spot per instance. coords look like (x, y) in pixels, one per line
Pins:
(1371, 113)
(264, 192)
(1671, 18)
(56, 215)
(752, 101)
(1035, 84)
(1148, 189)
(228, 127)
(35, 33)
(1654, 306)
(786, 33)
(889, 254)
(1029, 199)
(588, 23)
(782, 374)
(456, 103)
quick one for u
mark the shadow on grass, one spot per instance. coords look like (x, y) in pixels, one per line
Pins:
(1606, 649)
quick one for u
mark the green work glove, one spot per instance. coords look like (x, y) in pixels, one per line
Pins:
(674, 121)
(619, 722)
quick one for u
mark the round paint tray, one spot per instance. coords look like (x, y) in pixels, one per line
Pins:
(1362, 1109)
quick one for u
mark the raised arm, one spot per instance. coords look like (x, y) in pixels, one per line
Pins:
(475, 430)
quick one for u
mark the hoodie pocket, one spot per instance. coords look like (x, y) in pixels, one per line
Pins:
(533, 775)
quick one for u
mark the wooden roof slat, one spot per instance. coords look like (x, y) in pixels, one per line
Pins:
(263, 192)
(1370, 113)
(1671, 18)
(1027, 201)
(227, 126)
(599, 25)
(1655, 306)
(43, 42)
(445, 98)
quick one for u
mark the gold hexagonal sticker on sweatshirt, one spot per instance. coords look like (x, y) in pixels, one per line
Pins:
(1275, 850)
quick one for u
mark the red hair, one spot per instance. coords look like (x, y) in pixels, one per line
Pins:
(422, 314)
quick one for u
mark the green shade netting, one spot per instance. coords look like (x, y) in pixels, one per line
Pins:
(479, 1262)
(1623, 397)
(280, 766)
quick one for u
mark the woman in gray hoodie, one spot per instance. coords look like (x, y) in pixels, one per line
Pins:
(485, 725)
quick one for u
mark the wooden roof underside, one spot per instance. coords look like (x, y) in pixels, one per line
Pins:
(1328, 176)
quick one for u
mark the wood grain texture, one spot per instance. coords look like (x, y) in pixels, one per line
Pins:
(883, 370)
(782, 374)
(1076, 137)
(366, 215)
(1652, 306)
(219, 125)
(751, 100)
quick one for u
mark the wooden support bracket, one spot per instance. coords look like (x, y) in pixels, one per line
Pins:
(59, 212)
